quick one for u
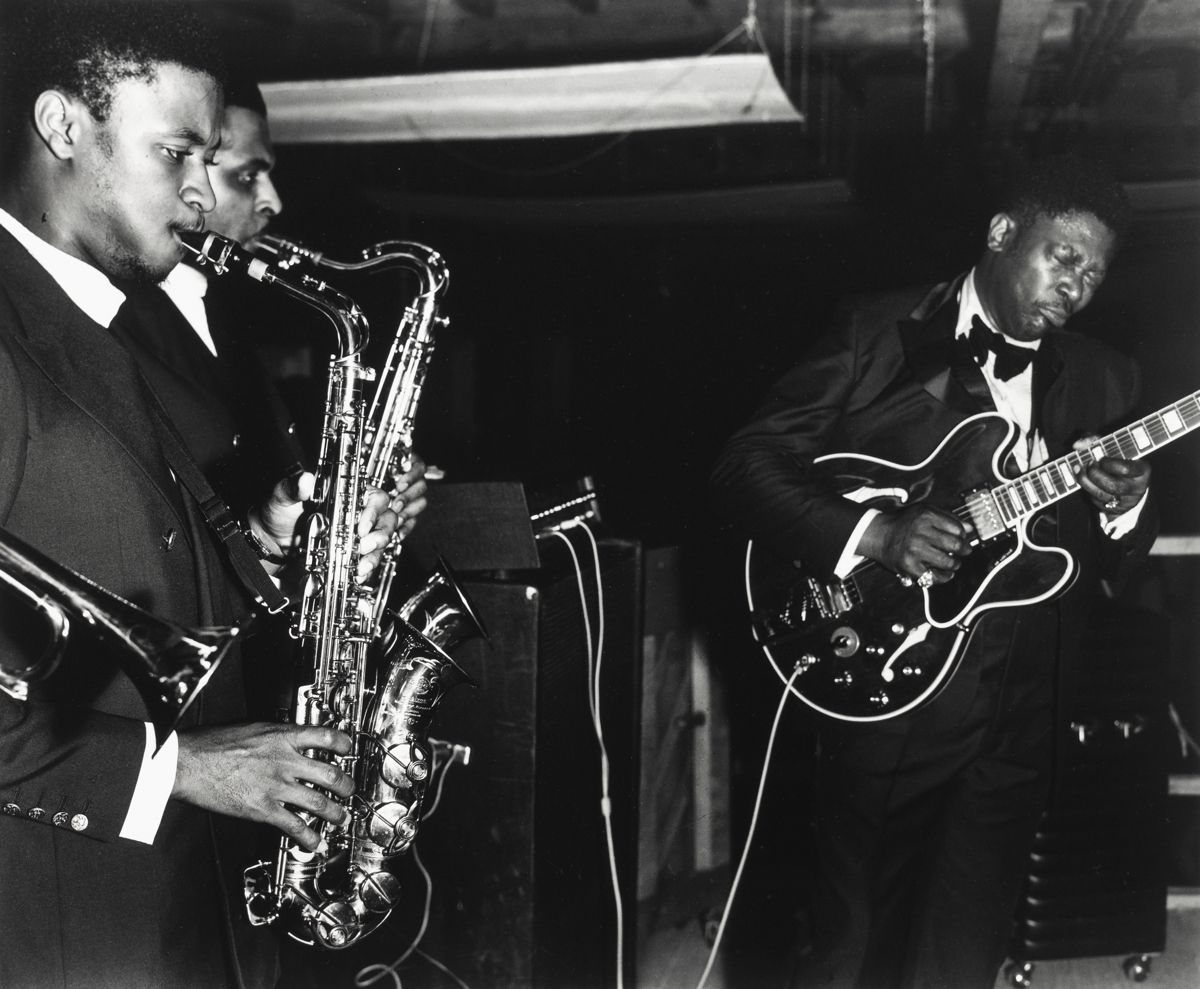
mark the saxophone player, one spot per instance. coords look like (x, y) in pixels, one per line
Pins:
(119, 867)
(192, 341)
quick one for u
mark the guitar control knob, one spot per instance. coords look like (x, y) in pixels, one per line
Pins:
(880, 699)
(897, 629)
(911, 671)
(845, 641)
(844, 679)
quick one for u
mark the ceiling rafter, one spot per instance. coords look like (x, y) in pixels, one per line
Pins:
(1019, 29)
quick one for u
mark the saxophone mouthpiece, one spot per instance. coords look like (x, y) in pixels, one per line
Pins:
(193, 241)
(222, 254)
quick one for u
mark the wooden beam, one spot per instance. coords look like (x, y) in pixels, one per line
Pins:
(1019, 30)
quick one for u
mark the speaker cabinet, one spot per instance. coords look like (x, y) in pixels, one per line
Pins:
(1097, 883)
(517, 847)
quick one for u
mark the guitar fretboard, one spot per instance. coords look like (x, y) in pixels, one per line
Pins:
(1057, 479)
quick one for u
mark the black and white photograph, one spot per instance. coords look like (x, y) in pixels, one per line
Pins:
(599, 494)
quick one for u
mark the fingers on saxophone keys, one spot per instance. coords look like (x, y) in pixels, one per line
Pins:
(298, 830)
(323, 806)
(330, 778)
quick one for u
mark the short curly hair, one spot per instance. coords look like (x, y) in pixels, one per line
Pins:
(1068, 183)
(86, 47)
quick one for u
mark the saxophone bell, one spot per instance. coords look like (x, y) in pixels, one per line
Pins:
(441, 611)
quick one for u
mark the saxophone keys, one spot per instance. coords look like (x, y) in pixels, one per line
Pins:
(405, 763)
(335, 924)
(379, 891)
(391, 825)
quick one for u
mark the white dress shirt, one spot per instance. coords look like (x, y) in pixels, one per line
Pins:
(92, 292)
(186, 286)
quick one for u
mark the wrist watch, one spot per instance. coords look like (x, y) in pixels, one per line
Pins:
(261, 549)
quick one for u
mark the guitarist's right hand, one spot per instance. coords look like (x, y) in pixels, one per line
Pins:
(917, 540)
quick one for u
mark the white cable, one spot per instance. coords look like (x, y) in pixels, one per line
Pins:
(371, 974)
(605, 801)
(762, 782)
(600, 631)
(593, 679)
(437, 796)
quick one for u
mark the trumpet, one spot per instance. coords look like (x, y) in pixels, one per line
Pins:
(169, 664)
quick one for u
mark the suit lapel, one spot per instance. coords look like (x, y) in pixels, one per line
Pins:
(161, 332)
(942, 364)
(85, 363)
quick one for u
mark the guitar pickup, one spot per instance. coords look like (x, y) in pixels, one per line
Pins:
(829, 600)
(985, 515)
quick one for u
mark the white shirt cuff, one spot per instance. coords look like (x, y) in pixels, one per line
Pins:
(1123, 524)
(156, 780)
(850, 558)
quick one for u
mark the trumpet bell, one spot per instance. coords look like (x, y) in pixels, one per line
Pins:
(169, 664)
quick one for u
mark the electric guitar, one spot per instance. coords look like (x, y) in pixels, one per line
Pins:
(874, 645)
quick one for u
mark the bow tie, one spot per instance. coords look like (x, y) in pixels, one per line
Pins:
(1011, 360)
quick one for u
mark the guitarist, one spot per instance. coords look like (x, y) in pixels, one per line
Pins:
(924, 822)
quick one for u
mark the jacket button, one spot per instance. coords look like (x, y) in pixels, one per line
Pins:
(61, 819)
(237, 440)
(36, 813)
(79, 822)
(12, 810)
(168, 537)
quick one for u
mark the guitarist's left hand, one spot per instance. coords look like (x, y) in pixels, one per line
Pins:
(1113, 485)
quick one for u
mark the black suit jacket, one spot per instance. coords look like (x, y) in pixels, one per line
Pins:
(891, 381)
(84, 479)
(231, 417)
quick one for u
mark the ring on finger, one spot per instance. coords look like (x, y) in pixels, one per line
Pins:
(926, 579)
(1113, 503)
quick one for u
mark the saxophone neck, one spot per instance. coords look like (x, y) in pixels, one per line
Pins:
(222, 255)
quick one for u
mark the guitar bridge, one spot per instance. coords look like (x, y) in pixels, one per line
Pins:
(829, 600)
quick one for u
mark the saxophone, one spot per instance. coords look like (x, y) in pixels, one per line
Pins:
(378, 675)
(392, 416)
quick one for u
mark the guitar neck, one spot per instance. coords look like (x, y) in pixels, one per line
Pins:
(1056, 479)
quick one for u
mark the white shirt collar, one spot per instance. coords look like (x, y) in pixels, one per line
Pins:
(186, 287)
(183, 279)
(969, 306)
(87, 286)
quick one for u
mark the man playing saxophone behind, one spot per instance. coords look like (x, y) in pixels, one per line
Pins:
(191, 338)
(120, 868)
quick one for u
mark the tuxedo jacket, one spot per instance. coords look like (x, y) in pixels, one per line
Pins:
(84, 480)
(891, 381)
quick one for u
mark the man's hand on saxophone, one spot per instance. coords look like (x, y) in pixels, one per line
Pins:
(261, 772)
(276, 523)
(408, 496)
